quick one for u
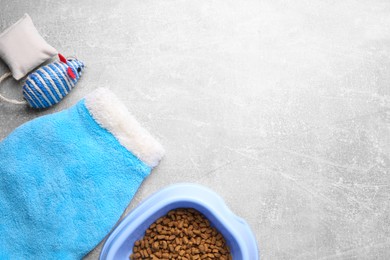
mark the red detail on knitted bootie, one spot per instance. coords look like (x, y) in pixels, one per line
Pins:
(70, 73)
(62, 58)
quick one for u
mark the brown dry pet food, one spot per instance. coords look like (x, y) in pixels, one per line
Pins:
(181, 234)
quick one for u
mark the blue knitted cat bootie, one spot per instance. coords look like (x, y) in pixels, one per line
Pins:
(66, 178)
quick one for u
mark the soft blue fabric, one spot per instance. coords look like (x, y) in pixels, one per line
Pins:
(65, 181)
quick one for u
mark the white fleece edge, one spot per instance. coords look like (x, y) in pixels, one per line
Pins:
(110, 113)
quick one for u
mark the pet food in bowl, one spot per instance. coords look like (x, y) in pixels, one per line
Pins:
(235, 231)
(181, 234)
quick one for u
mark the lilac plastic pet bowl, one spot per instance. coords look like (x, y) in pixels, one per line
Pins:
(240, 239)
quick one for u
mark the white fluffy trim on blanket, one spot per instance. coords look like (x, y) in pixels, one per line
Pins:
(110, 113)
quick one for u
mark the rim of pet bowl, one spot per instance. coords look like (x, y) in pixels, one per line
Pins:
(186, 193)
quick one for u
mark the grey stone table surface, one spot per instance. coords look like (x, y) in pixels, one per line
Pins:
(281, 107)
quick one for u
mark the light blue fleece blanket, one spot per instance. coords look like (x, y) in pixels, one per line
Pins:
(66, 178)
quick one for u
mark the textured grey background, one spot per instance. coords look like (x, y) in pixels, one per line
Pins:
(282, 107)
